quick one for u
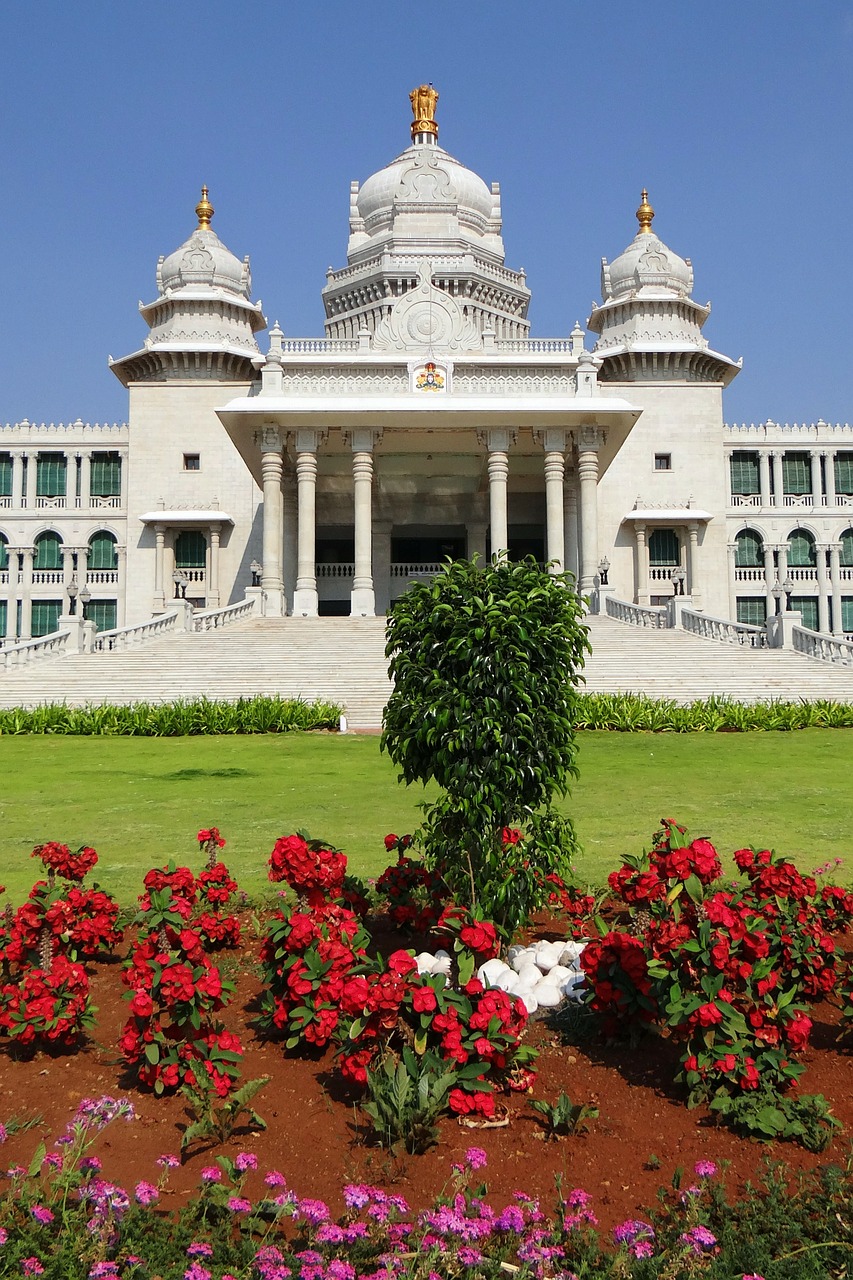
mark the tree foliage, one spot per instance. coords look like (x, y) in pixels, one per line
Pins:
(485, 662)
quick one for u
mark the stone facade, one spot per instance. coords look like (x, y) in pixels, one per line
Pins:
(427, 422)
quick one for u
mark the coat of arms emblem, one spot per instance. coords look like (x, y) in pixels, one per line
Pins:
(430, 378)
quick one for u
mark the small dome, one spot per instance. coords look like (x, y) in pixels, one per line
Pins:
(203, 260)
(425, 174)
(647, 264)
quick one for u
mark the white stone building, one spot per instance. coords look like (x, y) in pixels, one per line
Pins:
(426, 423)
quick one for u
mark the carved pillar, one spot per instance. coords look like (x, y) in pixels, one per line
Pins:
(693, 575)
(213, 589)
(778, 486)
(19, 481)
(814, 468)
(27, 554)
(272, 584)
(732, 556)
(554, 443)
(589, 442)
(642, 570)
(498, 441)
(570, 522)
(291, 534)
(829, 477)
(123, 480)
(85, 497)
(159, 567)
(835, 580)
(764, 477)
(769, 575)
(305, 603)
(822, 588)
(30, 494)
(121, 586)
(782, 561)
(363, 597)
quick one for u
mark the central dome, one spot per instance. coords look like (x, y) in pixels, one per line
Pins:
(425, 174)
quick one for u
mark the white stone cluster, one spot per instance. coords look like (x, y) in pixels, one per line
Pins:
(543, 974)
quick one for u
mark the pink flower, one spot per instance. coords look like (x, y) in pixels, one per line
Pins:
(211, 1174)
(705, 1168)
(246, 1160)
(476, 1158)
(239, 1204)
(31, 1267)
(146, 1194)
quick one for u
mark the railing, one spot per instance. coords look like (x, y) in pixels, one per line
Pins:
(48, 577)
(215, 619)
(798, 500)
(54, 504)
(129, 637)
(317, 346)
(112, 503)
(343, 570)
(804, 573)
(749, 574)
(416, 570)
(661, 572)
(4, 577)
(193, 575)
(699, 624)
(27, 651)
(101, 577)
(814, 644)
(845, 573)
(556, 346)
(6, 500)
(636, 615)
(745, 500)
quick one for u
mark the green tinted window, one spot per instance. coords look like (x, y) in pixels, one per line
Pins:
(749, 549)
(45, 617)
(752, 610)
(801, 549)
(663, 547)
(105, 475)
(796, 473)
(744, 473)
(102, 551)
(48, 548)
(190, 549)
(50, 475)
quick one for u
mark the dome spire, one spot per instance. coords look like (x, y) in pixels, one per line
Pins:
(423, 100)
(645, 213)
(204, 211)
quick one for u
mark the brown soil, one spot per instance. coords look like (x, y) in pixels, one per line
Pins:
(315, 1139)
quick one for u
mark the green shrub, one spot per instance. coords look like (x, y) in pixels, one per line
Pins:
(179, 719)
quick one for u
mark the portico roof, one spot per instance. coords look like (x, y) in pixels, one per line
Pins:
(668, 515)
(176, 516)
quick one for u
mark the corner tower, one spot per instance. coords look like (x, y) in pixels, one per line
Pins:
(426, 223)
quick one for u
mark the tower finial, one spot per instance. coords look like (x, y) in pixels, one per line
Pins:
(204, 211)
(645, 213)
(423, 100)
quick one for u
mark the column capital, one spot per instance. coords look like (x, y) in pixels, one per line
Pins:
(497, 439)
(588, 438)
(552, 439)
(361, 439)
(309, 439)
(270, 439)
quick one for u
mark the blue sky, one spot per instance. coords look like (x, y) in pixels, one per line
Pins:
(736, 116)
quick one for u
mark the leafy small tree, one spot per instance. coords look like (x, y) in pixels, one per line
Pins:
(485, 662)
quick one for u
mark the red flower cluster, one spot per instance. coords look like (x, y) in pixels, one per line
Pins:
(671, 862)
(469, 931)
(616, 970)
(572, 902)
(210, 839)
(308, 866)
(50, 1005)
(59, 859)
(199, 902)
(415, 896)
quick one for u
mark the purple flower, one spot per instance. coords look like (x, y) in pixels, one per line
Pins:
(168, 1162)
(705, 1169)
(210, 1173)
(512, 1219)
(43, 1216)
(641, 1249)
(4, 1235)
(330, 1233)
(91, 1164)
(31, 1266)
(200, 1249)
(4, 1133)
(195, 1271)
(631, 1230)
(340, 1270)
(476, 1158)
(469, 1256)
(239, 1204)
(698, 1239)
(103, 1271)
(313, 1211)
(146, 1194)
(16, 1171)
(246, 1160)
(53, 1160)
(275, 1179)
(356, 1195)
(355, 1231)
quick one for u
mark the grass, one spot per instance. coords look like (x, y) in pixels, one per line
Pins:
(140, 801)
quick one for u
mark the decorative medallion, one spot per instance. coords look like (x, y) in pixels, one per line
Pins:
(429, 377)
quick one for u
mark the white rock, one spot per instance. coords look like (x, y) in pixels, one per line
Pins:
(547, 995)
(529, 978)
(489, 972)
(507, 981)
(572, 952)
(425, 962)
(515, 950)
(522, 957)
(559, 973)
(529, 1000)
(441, 964)
(548, 954)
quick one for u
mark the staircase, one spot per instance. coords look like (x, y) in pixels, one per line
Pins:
(342, 660)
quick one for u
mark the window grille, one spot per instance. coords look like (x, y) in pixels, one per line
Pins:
(190, 549)
(102, 613)
(5, 475)
(4, 551)
(45, 617)
(847, 614)
(847, 548)
(844, 473)
(749, 550)
(752, 610)
(102, 551)
(807, 606)
(796, 473)
(801, 550)
(743, 468)
(50, 475)
(105, 475)
(48, 553)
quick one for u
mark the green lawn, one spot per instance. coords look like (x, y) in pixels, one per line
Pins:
(141, 801)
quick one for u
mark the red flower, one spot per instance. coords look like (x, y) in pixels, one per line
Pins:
(390, 842)
(480, 936)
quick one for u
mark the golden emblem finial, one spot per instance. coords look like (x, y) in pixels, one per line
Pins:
(204, 211)
(645, 213)
(423, 100)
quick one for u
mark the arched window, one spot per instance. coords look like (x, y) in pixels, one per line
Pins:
(847, 547)
(48, 552)
(190, 549)
(663, 547)
(749, 549)
(801, 550)
(102, 550)
(4, 553)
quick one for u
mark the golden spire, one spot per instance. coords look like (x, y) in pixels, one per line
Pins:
(423, 100)
(645, 213)
(204, 211)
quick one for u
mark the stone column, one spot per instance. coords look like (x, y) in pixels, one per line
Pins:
(829, 477)
(382, 564)
(82, 567)
(732, 554)
(553, 440)
(642, 564)
(570, 523)
(814, 467)
(121, 586)
(764, 477)
(769, 575)
(159, 567)
(589, 441)
(305, 602)
(693, 576)
(213, 593)
(19, 483)
(30, 495)
(821, 549)
(778, 495)
(363, 597)
(835, 580)
(291, 534)
(782, 560)
(27, 554)
(123, 480)
(498, 441)
(85, 499)
(476, 530)
(272, 583)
